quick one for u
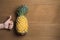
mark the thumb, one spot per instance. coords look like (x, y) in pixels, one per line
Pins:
(10, 18)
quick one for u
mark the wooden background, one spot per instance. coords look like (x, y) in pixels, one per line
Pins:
(43, 17)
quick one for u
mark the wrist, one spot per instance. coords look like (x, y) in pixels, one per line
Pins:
(1, 25)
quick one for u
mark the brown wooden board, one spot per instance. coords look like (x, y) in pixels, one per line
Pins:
(43, 17)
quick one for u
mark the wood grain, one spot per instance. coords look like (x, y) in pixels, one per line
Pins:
(43, 17)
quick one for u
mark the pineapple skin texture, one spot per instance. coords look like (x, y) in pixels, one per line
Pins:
(22, 24)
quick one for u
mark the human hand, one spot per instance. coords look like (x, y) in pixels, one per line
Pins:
(8, 24)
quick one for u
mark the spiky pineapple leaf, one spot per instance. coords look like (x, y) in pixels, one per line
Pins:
(22, 10)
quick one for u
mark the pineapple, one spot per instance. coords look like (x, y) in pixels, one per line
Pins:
(22, 22)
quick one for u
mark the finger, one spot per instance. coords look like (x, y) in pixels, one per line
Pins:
(10, 18)
(11, 25)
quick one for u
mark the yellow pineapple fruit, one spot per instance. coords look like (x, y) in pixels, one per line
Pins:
(22, 22)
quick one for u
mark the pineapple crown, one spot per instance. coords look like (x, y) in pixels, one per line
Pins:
(22, 10)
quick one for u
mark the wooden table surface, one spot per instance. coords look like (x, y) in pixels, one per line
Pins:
(43, 17)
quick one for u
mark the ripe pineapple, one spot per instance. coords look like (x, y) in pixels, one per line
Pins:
(22, 22)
